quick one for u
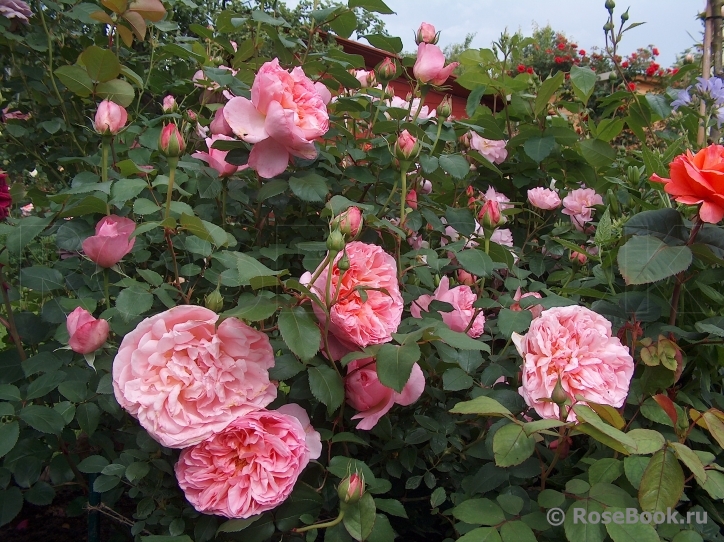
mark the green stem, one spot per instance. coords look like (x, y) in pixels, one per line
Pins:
(403, 196)
(172, 162)
(439, 131)
(389, 198)
(105, 289)
(223, 203)
(423, 93)
(104, 165)
(11, 320)
(325, 525)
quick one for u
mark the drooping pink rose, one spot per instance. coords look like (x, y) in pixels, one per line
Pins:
(354, 320)
(185, 379)
(249, 467)
(87, 334)
(536, 310)
(430, 65)
(15, 9)
(217, 158)
(461, 298)
(492, 149)
(111, 242)
(574, 344)
(283, 118)
(14, 115)
(6, 200)
(578, 204)
(544, 198)
(426, 34)
(371, 398)
(219, 126)
(110, 118)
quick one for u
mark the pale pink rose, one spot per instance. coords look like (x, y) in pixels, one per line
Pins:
(219, 126)
(234, 45)
(412, 107)
(185, 379)
(574, 344)
(312, 437)
(217, 158)
(426, 34)
(349, 221)
(491, 149)
(580, 257)
(87, 334)
(169, 104)
(502, 236)
(356, 322)
(366, 394)
(111, 242)
(283, 118)
(430, 65)
(490, 216)
(544, 198)
(493, 195)
(578, 205)
(15, 9)
(425, 186)
(323, 91)
(366, 78)
(466, 278)
(461, 298)
(26, 210)
(14, 115)
(249, 467)
(110, 118)
(536, 310)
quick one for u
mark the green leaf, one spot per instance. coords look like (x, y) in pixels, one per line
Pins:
(461, 220)
(252, 308)
(392, 507)
(714, 484)
(250, 268)
(93, 464)
(539, 148)
(105, 483)
(394, 364)
(484, 406)
(516, 531)
(546, 92)
(137, 470)
(459, 340)
(596, 152)
(42, 279)
(11, 502)
(44, 384)
(511, 446)
(645, 259)
(133, 302)
(481, 534)
(300, 332)
(117, 91)
(690, 459)
(9, 433)
(662, 483)
(76, 79)
(580, 531)
(608, 129)
(236, 525)
(658, 104)
(386, 43)
(24, 232)
(438, 497)
(455, 379)
(326, 386)
(479, 512)
(455, 165)
(377, 6)
(605, 470)
(344, 24)
(342, 467)
(42, 418)
(583, 81)
(474, 99)
(715, 427)
(41, 494)
(510, 322)
(88, 416)
(476, 262)
(100, 64)
(631, 532)
(303, 500)
(511, 504)
(550, 498)
(359, 518)
(311, 187)
(586, 414)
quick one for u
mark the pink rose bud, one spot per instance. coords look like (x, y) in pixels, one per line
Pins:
(219, 126)
(352, 488)
(407, 147)
(366, 78)
(430, 66)
(411, 199)
(580, 257)
(191, 115)
(386, 71)
(87, 334)
(444, 110)
(466, 278)
(335, 241)
(426, 34)
(111, 242)
(490, 215)
(169, 104)
(110, 118)
(171, 143)
(349, 222)
(425, 186)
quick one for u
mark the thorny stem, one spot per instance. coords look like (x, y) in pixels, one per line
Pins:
(680, 277)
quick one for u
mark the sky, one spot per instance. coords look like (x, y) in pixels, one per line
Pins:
(671, 25)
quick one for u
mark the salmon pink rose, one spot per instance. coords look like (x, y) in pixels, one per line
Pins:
(111, 242)
(573, 344)
(185, 379)
(249, 467)
(285, 115)
(578, 204)
(698, 179)
(430, 65)
(357, 320)
(492, 149)
(461, 298)
(87, 334)
(373, 399)
(544, 198)
(216, 158)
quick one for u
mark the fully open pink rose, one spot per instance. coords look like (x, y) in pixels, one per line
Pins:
(492, 149)
(461, 298)
(544, 198)
(578, 204)
(285, 115)
(430, 65)
(219, 126)
(536, 310)
(354, 320)
(371, 398)
(217, 158)
(573, 344)
(111, 242)
(87, 334)
(184, 379)
(249, 467)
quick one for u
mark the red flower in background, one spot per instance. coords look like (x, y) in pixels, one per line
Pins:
(582, 52)
(521, 68)
(655, 51)
(561, 46)
(624, 64)
(6, 199)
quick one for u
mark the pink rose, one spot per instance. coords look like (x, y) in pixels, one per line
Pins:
(16, 9)
(217, 158)
(411, 199)
(110, 118)
(371, 398)
(6, 200)
(87, 334)
(249, 467)
(425, 186)
(323, 92)
(430, 65)
(426, 34)
(492, 149)
(490, 216)
(366, 78)
(574, 344)
(111, 242)
(536, 310)
(461, 298)
(407, 147)
(349, 221)
(493, 195)
(170, 142)
(544, 198)
(578, 205)
(169, 104)
(185, 379)
(219, 126)
(466, 278)
(354, 320)
(283, 118)
(502, 236)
